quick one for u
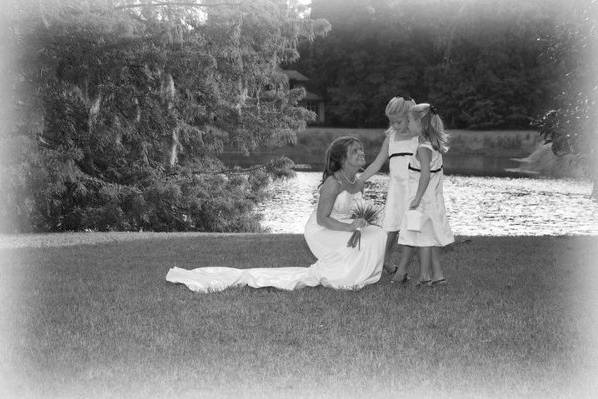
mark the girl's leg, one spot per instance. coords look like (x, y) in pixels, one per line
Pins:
(391, 239)
(425, 255)
(437, 274)
(406, 253)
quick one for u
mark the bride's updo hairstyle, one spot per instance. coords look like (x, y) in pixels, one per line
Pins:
(336, 153)
(432, 126)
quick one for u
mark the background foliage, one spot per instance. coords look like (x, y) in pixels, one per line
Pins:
(485, 64)
(116, 110)
(120, 109)
(482, 63)
(570, 121)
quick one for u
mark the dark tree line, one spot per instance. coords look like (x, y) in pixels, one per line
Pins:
(482, 63)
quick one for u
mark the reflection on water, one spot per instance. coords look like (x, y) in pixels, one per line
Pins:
(478, 165)
(489, 206)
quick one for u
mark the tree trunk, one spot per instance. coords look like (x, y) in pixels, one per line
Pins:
(174, 147)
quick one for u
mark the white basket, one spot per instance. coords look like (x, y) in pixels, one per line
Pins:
(415, 220)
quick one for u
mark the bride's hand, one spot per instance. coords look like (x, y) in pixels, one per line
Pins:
(358, 224)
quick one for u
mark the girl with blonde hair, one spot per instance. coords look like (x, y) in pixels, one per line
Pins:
(426, 196)
(398, 146)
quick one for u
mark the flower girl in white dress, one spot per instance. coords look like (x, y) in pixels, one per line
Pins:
(426, 196)
(398, 147)
(327, 233)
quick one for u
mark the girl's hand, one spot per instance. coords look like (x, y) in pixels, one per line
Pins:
(415, 203)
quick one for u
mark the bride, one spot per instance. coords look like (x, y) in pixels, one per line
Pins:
(327, 232)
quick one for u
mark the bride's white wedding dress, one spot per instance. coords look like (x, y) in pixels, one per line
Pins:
(338, 266)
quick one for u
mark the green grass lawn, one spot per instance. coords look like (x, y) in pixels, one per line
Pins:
(518, 319)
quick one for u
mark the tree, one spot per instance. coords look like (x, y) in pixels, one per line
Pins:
(569, 123)
(122, 108)
(477, 61)
(363, 62)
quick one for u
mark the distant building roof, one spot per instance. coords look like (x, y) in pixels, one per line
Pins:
(294, 75)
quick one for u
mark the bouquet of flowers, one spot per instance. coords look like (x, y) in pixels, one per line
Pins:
(367, 211)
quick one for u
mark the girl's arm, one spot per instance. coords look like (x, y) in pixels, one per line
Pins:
(378, 162)
(425, 157)
(328, 193)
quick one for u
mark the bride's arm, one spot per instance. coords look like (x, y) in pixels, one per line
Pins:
(378, 162)
(328, 193)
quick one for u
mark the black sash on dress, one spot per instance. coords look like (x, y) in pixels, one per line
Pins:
(400, 154)
(419, 170)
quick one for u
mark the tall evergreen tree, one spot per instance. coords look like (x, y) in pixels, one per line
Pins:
(122, 108)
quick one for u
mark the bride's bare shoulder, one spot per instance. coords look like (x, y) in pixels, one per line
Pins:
(331, 186)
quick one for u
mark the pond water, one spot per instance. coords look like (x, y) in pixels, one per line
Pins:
(476, 206)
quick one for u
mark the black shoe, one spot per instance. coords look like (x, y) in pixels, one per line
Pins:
(404, 279)
(392, 270)
(439, 282)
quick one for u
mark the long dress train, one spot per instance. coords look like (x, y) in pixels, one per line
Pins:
(338, 266)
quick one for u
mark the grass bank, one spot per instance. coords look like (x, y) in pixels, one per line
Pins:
(471, 152)
(91, 315)
(496, 143)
